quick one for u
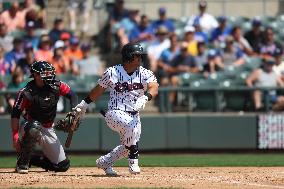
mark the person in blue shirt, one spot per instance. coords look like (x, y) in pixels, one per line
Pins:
(165, 70)
(141, 32)
(163, 20)
(30, 37)
(221, 32)
(15, 54)
(199, 34)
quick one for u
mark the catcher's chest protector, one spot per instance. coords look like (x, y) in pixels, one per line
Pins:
(43, 102)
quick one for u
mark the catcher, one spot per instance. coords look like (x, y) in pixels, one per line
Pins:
(38, 102)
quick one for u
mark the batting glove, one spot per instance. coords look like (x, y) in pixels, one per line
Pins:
(140, 103)
(83, 106)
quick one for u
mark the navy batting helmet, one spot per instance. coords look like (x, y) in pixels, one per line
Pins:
(131, 49)
(45, 70)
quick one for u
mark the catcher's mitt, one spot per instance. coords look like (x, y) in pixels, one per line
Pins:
(66, 124)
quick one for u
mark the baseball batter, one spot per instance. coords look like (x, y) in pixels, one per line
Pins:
(38, 100)
(131, 86)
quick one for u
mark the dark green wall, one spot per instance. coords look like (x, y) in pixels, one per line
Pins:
(161, 132)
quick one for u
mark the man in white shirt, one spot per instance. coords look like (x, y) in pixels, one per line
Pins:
(207, 21)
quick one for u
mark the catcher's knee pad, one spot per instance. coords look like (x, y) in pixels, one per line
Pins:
(32, 130)
(133, 151)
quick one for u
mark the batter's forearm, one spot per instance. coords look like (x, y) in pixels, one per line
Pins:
(95, 94)
(153, 89)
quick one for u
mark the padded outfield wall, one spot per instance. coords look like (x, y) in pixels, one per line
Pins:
(162, 132)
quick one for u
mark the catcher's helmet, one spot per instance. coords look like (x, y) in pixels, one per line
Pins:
(131, 49)
(46, 71)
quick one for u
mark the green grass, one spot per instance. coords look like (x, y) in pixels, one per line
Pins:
(180, 160)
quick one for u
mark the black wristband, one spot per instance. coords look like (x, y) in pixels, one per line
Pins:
(149, 96)
(88, 100)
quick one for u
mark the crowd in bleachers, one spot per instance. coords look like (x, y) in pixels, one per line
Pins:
(25, 38)
(204, 45)
(195, 50)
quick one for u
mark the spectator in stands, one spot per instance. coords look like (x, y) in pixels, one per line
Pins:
(24, 63)
(57, 30)
(75, 9)
(15, 54)
(269, 44)
(165, 70)
(116, 14)
(208, 61)
(199, 34)
(31, 37)
(90, 64)
(29, 5)
(4, 65)
(184, 62)
(231, 54)
(6, 40)
(240, 41)
(32, 12)
(74, 52)
(201, 57)
(16, 83)
(157, 46)
(44, 52)
(219, 34)
(124, 27)
(265, 77)
(65, 37)
(213, 63)
(142, 32)
(42, 11)
(163, 20)
(32, 15)
(278, 68)
(255, 36)
(13, 18)
(60, 62)
(189, 38)
(207, 21)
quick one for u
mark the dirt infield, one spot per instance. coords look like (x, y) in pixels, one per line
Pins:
(190, 177)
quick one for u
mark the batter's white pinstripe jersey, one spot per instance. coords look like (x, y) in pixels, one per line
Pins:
(125, 89)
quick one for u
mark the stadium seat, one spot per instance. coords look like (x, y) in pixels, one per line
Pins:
(204, 100)
(252, 63)
(187, 78)
(234, 100)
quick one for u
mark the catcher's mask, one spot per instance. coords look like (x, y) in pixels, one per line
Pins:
(45, 70)
(129, 50)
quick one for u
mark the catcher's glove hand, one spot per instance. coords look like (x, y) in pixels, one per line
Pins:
(66, 123)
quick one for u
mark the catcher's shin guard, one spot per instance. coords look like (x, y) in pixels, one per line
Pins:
(32, 134)
(45, 163)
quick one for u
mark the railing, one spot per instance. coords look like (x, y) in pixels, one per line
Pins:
(218, 94)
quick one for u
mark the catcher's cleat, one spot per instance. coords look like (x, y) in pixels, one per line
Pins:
(133, 166)
(22, 169)
(108, 169)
